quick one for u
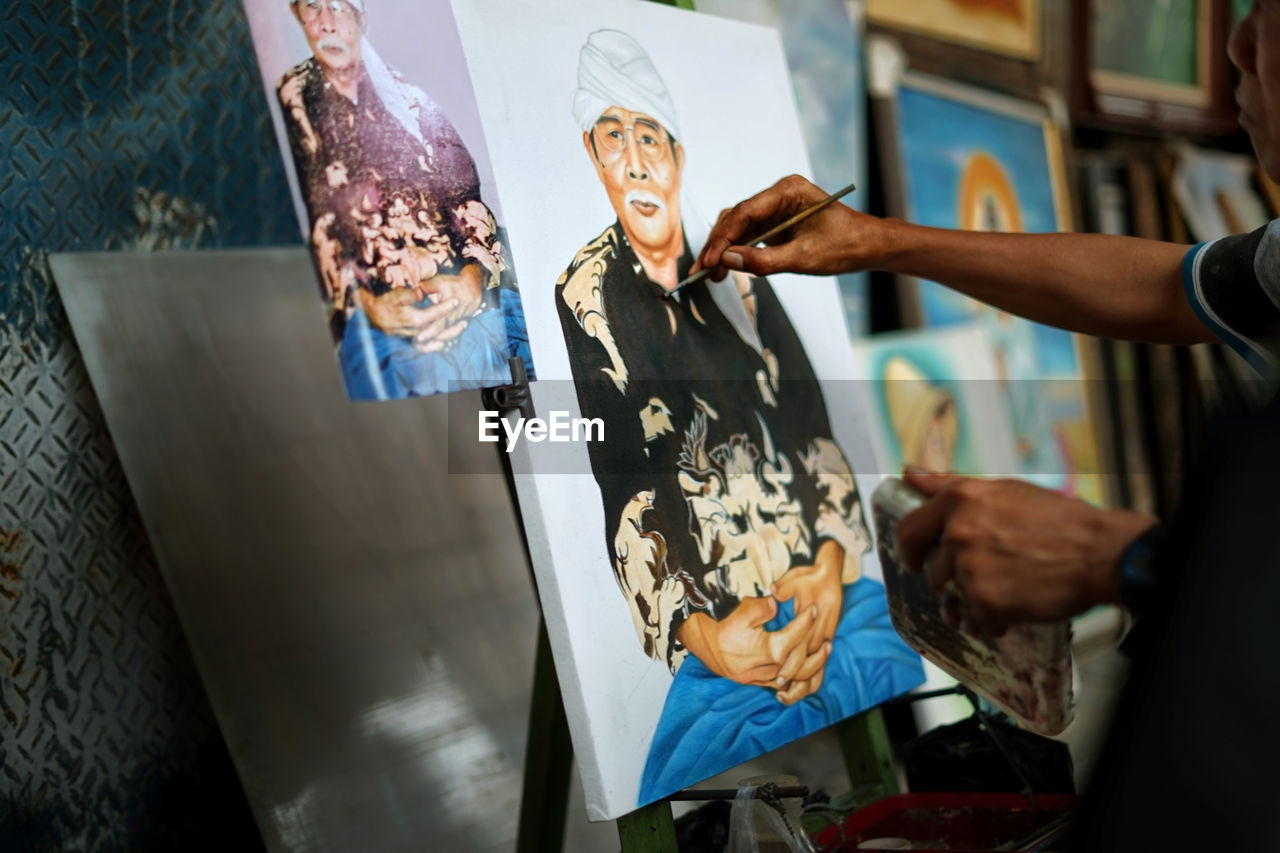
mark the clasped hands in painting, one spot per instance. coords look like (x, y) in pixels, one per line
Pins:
(790, 660)
(400, 310)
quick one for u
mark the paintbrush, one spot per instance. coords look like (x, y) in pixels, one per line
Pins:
(771, 233)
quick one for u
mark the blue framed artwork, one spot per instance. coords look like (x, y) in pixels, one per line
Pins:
(973, 160)
(936, 401)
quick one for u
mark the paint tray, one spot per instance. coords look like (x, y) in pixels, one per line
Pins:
(1026, 673)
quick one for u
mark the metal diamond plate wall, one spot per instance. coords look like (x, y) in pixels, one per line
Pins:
(130, 123)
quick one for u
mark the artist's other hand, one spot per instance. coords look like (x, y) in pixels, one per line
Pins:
(466, 288)
(1019, 553)
(739, 648)
(834, 240)
(397, 312)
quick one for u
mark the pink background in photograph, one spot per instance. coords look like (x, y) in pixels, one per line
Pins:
(416, 38)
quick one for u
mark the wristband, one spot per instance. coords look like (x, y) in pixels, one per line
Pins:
(1136, 580)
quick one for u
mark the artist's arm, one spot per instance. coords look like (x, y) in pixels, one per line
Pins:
(1120, 287)
(1019, 553)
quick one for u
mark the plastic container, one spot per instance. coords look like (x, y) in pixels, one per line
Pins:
(953, 823)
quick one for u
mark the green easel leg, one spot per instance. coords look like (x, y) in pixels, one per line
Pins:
(867, 754)
(548, 760)
(648, 830)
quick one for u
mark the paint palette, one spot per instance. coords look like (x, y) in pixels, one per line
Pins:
(1026, 673)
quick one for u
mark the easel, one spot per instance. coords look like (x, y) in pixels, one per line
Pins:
(864, 741)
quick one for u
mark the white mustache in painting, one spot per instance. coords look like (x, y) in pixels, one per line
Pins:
(644, 197)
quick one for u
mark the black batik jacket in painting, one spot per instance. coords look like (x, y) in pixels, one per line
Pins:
(386, 209)
(718, 470)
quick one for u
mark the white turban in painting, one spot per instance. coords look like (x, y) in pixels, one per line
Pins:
(615, 71)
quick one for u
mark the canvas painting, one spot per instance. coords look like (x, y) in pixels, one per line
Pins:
(977, 161)
(937, 402)
(823, 42)
(1152, 49)
(394, 193)
(1010, 27)
(704, 561)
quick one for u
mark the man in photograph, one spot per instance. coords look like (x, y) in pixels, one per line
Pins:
(411, 260)
(732, 519)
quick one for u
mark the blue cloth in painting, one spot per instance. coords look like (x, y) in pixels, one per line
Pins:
(710, 723)
(378, 366)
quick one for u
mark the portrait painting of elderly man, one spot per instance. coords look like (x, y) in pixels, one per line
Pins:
(732, 518)
(705, 566)
(414, 269)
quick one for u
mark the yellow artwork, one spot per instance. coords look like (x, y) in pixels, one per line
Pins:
(1011, 27)
(988, 201)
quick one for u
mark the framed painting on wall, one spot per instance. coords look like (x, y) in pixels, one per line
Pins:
(969, 159)
(1009, 27)
(703, 560)
(936, 402)
(1157, 50)
(1154, 63)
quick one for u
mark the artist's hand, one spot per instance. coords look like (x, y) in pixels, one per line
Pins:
(1019, 553)
(832, 241)
(739, 648)
(466, 288)
(397, 312)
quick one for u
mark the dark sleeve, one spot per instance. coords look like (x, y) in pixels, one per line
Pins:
(328, 243)
(461, 180)
(1233, 285)
(472, 228)
(304, 146)
(824, 481)
(645, 516)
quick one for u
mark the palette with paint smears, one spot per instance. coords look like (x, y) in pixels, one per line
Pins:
(1026, 673)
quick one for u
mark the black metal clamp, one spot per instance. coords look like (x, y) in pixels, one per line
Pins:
(505, 398)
